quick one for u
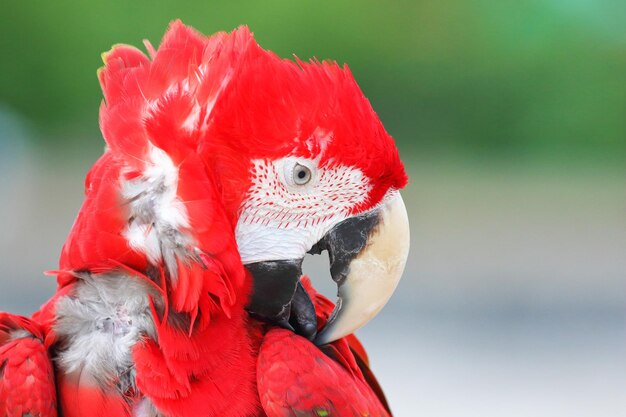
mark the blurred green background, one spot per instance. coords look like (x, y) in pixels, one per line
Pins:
(494, 81)
(510, 117)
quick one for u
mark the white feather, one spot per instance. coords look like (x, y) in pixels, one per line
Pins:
(100, 322)
(157, 215)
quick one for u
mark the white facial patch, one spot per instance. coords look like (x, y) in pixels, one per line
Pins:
(281, 219)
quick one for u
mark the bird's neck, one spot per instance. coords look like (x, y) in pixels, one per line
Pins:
(218, 360)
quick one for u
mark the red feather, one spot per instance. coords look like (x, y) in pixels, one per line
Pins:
(296, 379)
(26, 375)
(81, 395)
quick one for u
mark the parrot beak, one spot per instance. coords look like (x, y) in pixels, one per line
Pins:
(367, 255)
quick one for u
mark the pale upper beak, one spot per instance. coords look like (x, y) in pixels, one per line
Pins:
(366, 283)
(367, 254)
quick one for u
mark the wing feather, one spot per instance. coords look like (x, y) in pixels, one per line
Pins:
(26, 374)
(296, 379)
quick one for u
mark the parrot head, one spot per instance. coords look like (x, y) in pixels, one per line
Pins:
(297, 159)
(315, 171)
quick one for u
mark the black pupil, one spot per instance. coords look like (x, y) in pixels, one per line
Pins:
(301, 174)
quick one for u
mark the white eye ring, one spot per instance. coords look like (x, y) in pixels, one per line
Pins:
(301, 175)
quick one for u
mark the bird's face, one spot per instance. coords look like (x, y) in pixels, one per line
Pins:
(321, 173)
(296, 206)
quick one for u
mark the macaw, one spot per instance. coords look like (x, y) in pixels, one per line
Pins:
(180, 286)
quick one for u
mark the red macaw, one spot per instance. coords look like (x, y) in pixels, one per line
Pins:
(180, 284)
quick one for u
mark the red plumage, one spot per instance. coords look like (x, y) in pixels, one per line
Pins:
(26, 375)
(205, 105)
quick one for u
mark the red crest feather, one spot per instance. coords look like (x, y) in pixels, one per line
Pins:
(167, 100)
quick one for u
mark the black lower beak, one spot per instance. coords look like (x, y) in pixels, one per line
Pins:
(279, 298)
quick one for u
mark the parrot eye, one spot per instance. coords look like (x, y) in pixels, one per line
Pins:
(301, 174)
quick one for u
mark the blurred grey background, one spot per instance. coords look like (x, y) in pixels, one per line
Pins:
(510, 119)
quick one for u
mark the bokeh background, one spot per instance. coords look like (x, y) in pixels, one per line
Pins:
(510, 117)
